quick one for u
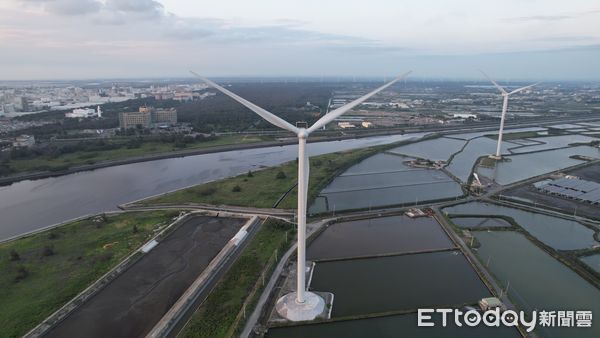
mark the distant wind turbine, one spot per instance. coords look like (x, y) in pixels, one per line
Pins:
(301, 305)
(505, 95)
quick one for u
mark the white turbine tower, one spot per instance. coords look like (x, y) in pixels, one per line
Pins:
(300, 305)
(505, 96)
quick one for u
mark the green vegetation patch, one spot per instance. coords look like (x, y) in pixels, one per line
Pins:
(515, 136)
(265, 187)
(90, 152)
(216, 317)
(42, 272)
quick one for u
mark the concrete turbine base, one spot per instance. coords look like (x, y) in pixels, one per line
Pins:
(494, 157)
(288, 308)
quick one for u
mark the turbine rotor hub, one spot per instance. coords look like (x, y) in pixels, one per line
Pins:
(302, 133)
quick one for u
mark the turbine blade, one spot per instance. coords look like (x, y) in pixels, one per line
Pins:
(332, 115)
(523, 88)
(494, 82)
(270, 117)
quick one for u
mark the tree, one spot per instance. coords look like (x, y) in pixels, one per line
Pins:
(280, 175)
(135, 229)
(250, 174)
(236, 188)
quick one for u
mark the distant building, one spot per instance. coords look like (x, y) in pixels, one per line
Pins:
(164, 116)
(464, 116)
(345, 125)
(25, 141)
(146, 117)
(140, 118)
(84, 113)
(367, 124)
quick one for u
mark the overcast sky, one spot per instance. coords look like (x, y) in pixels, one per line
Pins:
(511, 39)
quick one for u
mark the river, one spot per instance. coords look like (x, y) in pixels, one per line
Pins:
(34, 204)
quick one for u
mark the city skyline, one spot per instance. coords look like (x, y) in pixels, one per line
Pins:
(66, 39)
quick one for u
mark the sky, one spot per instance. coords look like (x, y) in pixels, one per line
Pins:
(510, 39)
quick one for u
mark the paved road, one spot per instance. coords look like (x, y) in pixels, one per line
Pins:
(282, 213)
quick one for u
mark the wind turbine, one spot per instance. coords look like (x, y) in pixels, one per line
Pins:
(505, 96)
(300, 305)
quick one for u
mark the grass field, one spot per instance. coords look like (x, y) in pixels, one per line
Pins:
(65, 161)
(216, 316)
(42, 272)
(515, 136)
(263, 188)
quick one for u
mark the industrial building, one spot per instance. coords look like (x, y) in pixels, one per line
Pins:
(147, 117)
(572, 188)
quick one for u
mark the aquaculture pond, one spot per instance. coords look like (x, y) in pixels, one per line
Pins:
(389, 327)
(384, 179)
(462, 163)
(520, 167)
(592, 261)
(559, 233)
(537, 280)
(553, 142)
(589, 124)
(437, 149)
(564, 126)
(403, 282)
(472, 135)
(480, 222)
(379, 236)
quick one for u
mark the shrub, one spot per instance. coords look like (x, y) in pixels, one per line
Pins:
(250, 174)
(135, 229)
(48, 250)
(280, 175)
(14, 255)
(236, 188)
(207, 191)
(22, 273)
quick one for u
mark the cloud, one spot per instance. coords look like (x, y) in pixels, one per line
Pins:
(552, 18)
(147, 7)
(540, 18)
(107, 7)
(67, 7)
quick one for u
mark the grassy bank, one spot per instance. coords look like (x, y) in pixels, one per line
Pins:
(42, 272)
(216, 317)
(515, 136)
(263, 188)
(65, 161)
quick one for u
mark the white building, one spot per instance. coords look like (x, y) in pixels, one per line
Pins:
(24, 141)
(345, 125)
(83, 113)
(464, 116)
(366, 124)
